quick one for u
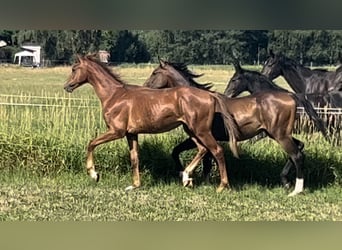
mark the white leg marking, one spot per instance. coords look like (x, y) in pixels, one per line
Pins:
(129, 188)
(298, 188)
(93, 174)
(186, 180)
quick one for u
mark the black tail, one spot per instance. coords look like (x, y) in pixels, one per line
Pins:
(309, 109)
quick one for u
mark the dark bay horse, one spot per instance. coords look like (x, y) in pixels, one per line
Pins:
(255, 82)
(129, 110)
(273, 112)
(317, 83)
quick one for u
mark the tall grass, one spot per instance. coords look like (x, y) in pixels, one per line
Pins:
(46, 130)
(43, 136)
(48, 135)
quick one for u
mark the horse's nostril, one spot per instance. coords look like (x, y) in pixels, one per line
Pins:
(68, 88)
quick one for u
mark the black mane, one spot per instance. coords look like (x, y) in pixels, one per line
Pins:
(262, 78)
(104, 66)
(182, 68)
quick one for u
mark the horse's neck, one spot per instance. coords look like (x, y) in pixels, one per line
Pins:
(258, 84)
(296, 78)
(181, 81)
(105, 86)
(178, 79)
(275, 87)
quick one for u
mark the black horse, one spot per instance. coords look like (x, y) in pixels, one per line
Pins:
(272, 112)
(321, 86)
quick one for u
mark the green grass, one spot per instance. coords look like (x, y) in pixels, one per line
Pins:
(42, 163)
(72, 197)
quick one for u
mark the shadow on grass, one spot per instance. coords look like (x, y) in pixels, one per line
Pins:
(260, 163)
(249, 169)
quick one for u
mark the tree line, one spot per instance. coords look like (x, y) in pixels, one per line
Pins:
(310, 47)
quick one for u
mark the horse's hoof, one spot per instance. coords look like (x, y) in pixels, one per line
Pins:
(298, 187)
(221, 188)
(130, 188)
(294, 193)
(187, 181)
(287, 186)
(95, 176)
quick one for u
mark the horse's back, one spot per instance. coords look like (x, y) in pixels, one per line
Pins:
(268, 110)
(160, 110)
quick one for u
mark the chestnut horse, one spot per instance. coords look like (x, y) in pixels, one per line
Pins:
(129, 110)
(272, 112)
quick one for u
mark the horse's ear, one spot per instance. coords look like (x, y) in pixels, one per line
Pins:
(94, 55)
(271, 53)
(78, 58)
(237, 66)
(162, 63)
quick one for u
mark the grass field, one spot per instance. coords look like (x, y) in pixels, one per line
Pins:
(42, 148)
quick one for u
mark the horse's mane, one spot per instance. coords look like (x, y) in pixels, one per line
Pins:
(182, 68)
(289, 62)
(94, 59)
(298, 67)
(262, 78)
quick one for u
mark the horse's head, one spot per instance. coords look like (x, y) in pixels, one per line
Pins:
(238, 83)
(272, 66)
(161, 77)
(78, 75)
(168, 75)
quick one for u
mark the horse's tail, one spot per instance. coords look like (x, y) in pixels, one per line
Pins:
(309, 109)
(229, 122)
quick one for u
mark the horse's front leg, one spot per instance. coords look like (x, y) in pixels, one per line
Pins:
(181, 147)
(134, 156)
(103, 138)
(187, 181)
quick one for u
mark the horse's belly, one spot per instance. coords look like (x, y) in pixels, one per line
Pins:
(249, 127)
(152, 127)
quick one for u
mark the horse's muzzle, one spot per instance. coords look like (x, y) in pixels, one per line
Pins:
(70, 87)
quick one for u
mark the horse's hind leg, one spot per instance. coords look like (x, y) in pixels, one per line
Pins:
(207, 164)
(183, 146)
(193, 164)
(187, 145)
(134, 157)
(292, 147)
(284, 173)
(288, 165)
(218, 153)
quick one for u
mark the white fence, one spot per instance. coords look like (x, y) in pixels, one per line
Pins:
(325, 111)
